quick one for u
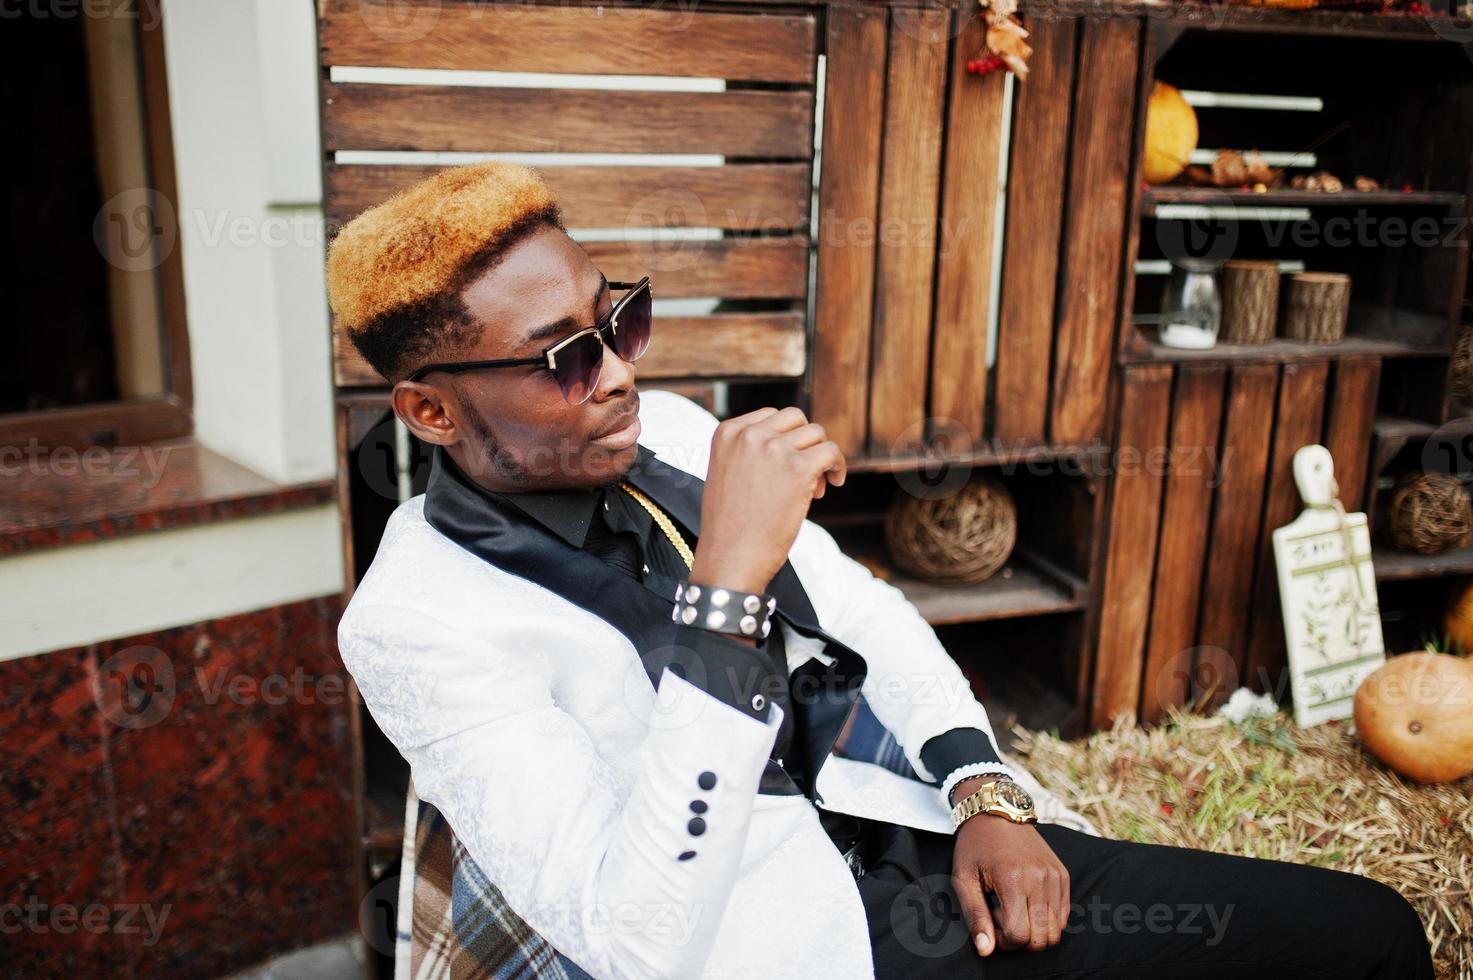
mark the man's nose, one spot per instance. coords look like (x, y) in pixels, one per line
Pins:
(616, 375)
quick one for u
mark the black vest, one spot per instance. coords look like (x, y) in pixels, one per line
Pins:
(824, 695)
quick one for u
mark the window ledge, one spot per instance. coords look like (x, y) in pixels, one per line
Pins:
(67, 497)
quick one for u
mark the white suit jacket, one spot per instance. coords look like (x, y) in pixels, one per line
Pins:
(534, 728)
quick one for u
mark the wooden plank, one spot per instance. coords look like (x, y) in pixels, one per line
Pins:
(703, 393)
(1395, 565)
(1135, 512)
(1128, 336)
(767, 197)
(909, 183)
(742, 123)
(729, 268)
(1236, 518)
(765, 345)
(847, 207)
(1301, 417)
(1040, 151)
(968, 217)
(1095, 227)
(1193, 473)
(1350, 418)
(602, 40)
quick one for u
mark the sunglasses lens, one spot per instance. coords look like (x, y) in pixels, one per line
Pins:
(633, 337)
(579, 365)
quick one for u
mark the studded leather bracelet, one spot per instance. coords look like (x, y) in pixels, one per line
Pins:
(724, 610)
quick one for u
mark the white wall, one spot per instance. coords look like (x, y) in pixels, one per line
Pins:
(243, 99)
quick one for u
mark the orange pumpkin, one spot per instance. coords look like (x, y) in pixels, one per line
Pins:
(1416, 715)
(1171, 134)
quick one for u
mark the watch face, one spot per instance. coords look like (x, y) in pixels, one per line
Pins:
(1013, 794)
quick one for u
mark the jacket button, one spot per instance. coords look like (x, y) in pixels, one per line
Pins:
(758, 702)
(697, 826)
(698, 806)
(706, 780)
(686, 855)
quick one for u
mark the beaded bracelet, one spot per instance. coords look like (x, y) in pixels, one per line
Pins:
(724, 611)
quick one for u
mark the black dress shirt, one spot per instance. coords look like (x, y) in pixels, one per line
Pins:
(610, 524)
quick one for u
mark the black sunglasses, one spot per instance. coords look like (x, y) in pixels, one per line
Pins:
(577, 361)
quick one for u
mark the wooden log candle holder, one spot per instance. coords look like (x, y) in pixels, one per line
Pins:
(1250, 301)
(1318, 307)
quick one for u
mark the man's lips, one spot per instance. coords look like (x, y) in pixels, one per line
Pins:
(620, 438)
(622, 433)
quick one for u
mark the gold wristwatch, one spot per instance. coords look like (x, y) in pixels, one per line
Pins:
(1000, 796)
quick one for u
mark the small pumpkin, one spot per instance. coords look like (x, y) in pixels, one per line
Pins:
(1171, 134)
(1459, 622)
(1416, 715)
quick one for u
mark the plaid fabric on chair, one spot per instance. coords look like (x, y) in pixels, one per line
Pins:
(454, 924)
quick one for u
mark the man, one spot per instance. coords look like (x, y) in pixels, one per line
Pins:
(627, 687)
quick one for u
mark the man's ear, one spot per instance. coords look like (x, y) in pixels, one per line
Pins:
(422, 409)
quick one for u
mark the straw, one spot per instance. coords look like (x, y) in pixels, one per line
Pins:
(1267, 788)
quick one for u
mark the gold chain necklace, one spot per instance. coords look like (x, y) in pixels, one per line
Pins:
(663, 521)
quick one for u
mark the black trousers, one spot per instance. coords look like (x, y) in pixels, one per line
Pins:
(1143, 912)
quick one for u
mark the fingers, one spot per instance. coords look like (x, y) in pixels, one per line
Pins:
(1063, 906)
(804, 436)
(828, 459)
(975, 913)
(785, 420)
(1040, 918)
(1013, 917)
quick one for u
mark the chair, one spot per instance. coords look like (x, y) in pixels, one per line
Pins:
(453, 922)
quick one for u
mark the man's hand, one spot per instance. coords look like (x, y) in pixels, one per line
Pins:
(766, 468)
(1032, 885)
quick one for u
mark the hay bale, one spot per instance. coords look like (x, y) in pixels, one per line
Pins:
(1269, 789)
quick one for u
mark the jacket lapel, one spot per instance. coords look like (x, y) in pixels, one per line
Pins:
(513, 542)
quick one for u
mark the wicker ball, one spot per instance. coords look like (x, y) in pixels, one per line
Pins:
(1462, 372)
(1430, 513)
(961, 539)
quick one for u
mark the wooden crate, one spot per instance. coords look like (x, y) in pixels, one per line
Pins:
(908, 210)
(752, 135)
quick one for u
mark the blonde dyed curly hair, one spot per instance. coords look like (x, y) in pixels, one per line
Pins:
(395, 272)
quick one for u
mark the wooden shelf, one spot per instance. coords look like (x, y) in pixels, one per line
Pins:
(1394, 428)
(1026, 586)
(1153, 197)
(988, 452)
(1395, 565)
(1331, 23)
(1148, 350)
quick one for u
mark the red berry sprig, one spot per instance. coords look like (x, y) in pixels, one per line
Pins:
(985, 65)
